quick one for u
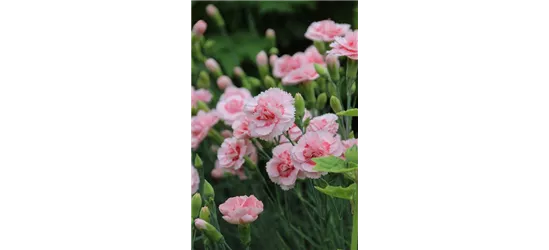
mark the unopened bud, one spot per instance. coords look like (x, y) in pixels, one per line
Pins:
(239, 72)
(200, 27)
(213, 12)
(273, 51)
(321, 70)
(309, 92)
(261, 58)
(208, 230)
(197, 161)
(208, 45)
(213, 67)
(205, 214)
(335, 104)
(321, 101)
(254, 82)
(223, 82)
(353, 88)
(270, 34)
(299, 105)
(208, 192)
(333, 66)
(203, 80)
(269, 82)
(196, 204)
(200, 105)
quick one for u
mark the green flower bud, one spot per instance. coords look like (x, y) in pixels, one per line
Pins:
(332, 89)
(196, 204)
(308, 90)
(269, 82)
(203, 80)
(273, 51)
(208, 192)
(208, 46)
(208, 229)
(205, 214)
(200, 105)
(335, 104)
(353, 88)
(194, 111)
(197, 52)
(213, 12)
(352, 135)
(321, 70)
(333, 66)
(299, 106)
(254, 82)
(271, 36)
(197, 162)
(321, 101)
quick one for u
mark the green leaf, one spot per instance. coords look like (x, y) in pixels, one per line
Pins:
(331, 164)
(339, 192)
(352, 154)
(349, 112)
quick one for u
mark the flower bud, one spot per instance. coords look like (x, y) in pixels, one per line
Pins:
(321, 70)
(200, 105)
(261, 58)
(213, 67)
(333, 66)
(254, 82)
(269, 82)
(299, 105)
(208, 192)
(272, 60)
(309, 92)
(208, 45)
(353, 88)
(196, 204)
(332, 89)
(213, 12)
(270, 34)
(223, 82)
(321, 101)
(200, 27)
(273, 51)
(239, 72)
(203, 80)
(335, 104)
(197, 51)
(208, 229)
(205, 214)
(197, 161)
(226, 133)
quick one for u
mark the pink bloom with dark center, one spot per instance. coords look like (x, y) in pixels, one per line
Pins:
(241, 209)
(346, 46)
(312, 145)
(201, 125)
(270, 113)
(280, 168)
(326, 122)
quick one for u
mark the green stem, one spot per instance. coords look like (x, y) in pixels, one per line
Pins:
(214, 135)
(354, 242)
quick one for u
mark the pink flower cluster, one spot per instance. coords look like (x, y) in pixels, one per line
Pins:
(200, 95)
(201, 125)
(346, 46)
(299, 67)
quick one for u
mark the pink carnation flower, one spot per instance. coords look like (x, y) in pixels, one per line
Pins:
(241, 129)
(241, 209)
(200, 95)
(195, 180)
(303, 74)
(232, 91)
(346, 46)
(270, 113)
(201, 125)
(326, 122)
(326, 30)
(313, 56)
(312, 145)
(286, 64)
(231, 108)
(294, 132)
(232, 151)
(280, 168)
(349, 143)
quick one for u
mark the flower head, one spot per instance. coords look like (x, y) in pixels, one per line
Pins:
(326, 30)
(270, 113)
(223, 82)
(231, 109)
(241, 209)
(313, 56)
(286, 64)
(280, 168)
(232, 151)
(326, 122)
(346, 46)
(200, 95)
(241, 129)
(200, 27)
(312, 145)
(303, 74)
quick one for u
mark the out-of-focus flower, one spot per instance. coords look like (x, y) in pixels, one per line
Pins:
(201, 125)
(212, 65)
(270, 113)
(326, 30)
(241, 209)
(231, 109)
(200, 95)
(313, 56)
(303, 74)
(241, 129)
(261, 58)
(286, 64)
(223, 82)
(312, 145)
(195, 180)
(231, 91)
(346, 46)
(200, 27)
(272, 60)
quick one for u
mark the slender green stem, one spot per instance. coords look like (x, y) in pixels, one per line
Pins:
(354, 242)
(289, 139)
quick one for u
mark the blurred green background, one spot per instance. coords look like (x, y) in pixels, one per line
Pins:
(246, 22)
